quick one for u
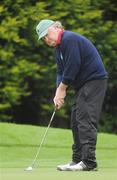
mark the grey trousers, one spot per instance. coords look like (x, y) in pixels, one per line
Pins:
(84, 121)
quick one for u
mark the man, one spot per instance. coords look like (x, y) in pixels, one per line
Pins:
(78, 65)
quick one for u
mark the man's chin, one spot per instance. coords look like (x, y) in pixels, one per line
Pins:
(52, 46)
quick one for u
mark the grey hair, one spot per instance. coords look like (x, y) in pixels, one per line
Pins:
(58, 24)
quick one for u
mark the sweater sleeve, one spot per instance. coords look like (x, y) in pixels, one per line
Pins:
(58, 77)
(59, 72)
(72, 62)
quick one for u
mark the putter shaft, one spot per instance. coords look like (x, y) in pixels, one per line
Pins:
(43, 139)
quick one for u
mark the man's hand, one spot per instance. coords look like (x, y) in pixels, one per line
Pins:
(60, 95)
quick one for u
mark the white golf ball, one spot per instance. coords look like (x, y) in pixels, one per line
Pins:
(29, 168)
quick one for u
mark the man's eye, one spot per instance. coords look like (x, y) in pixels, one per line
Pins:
(46, 35)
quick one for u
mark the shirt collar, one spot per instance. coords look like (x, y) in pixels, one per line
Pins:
(60, 36)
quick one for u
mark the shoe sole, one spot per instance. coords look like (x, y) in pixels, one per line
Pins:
(95, 169)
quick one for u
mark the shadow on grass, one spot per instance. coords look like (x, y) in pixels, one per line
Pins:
(31, 145)
(50, 146)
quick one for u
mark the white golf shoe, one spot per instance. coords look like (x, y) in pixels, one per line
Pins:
(80, 167)
(65, 167)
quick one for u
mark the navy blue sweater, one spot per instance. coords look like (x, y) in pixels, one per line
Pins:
(78, 61)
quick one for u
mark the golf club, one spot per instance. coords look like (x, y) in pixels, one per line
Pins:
(42, 141)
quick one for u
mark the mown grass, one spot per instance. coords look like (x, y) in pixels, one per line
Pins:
(19, 143)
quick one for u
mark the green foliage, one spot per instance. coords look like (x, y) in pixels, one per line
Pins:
(17, 66)
(27, 68)
(108, 123)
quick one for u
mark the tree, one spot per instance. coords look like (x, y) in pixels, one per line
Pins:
(27, 68)
(18, 67)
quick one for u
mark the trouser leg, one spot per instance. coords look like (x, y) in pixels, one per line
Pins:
(76, 147)
(88, 107)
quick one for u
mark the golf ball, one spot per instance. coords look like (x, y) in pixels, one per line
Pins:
(29, 168)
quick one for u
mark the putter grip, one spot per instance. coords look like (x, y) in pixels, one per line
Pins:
(56, 108)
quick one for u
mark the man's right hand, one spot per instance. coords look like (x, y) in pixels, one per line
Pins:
(58, 102)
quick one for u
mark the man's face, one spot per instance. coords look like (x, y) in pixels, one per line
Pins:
(51, 37)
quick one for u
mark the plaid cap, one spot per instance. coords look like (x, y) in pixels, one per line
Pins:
(42, 27)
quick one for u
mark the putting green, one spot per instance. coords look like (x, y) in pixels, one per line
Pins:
(19, 143)
(44, 173)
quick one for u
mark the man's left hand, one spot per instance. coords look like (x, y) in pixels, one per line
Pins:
(60, 95)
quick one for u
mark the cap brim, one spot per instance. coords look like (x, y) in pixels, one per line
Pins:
(43, 34)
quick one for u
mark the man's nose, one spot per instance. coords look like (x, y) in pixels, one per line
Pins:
(46, 39)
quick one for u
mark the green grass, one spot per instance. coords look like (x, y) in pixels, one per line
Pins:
(19, 143)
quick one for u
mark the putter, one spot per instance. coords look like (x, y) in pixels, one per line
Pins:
(30, 168)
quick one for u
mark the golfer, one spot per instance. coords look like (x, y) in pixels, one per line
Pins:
(78, 65)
